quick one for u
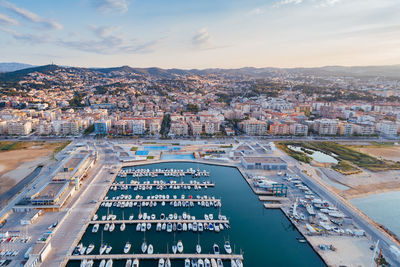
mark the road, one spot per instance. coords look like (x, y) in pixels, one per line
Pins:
(370, 229)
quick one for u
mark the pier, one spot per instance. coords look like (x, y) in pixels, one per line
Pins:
(156, 256)
(165, 184)
(158, 221)
(163, 200)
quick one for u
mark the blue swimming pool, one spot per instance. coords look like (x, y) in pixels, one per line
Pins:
(175, 148)
(142, 153)
(177, 156)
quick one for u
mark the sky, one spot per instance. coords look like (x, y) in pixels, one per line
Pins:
(200, 33)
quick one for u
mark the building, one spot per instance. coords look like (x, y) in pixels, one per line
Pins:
(30, 217)
(138, 127)
(264, 163)
(387, 128)
(50, 194)
(364, 129)
(279, 129)
(178, 128)
(102, 126)
(155, 127)
(326, 126)
(254, 127)
(209, 127)
(19, 127)
(298, 129)
(196, 127)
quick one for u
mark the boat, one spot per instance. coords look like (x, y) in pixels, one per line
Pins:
(106, 226)
(219, 263)
(213, 263)
(216, 249)
(169, 227)
(167, 263)
(150, 249)
(122, 227)
(112, 227)
(135, 263)
(127, 247)
(239, 263)
(207, 263)
(161, 262)
(194, 262)
(95, 217)
(102, 249)
(109, 263)
(180, 246)
(90, 248)
(200, 263)
(108, 249)
(148, 226)
(187, 263)
(95, 228)
(198, 249)
(144, 247)
(233, 263)
(102, 263)
(227, 247)
(131, 217)
(128, 263)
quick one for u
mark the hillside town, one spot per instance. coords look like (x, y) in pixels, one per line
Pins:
(61, 101)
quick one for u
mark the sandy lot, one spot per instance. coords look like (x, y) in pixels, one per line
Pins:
(16, 164)
(388, 153)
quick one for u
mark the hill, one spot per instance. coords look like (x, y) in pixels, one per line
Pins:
(13, 66)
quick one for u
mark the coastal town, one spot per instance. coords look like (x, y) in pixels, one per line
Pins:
(59, 101)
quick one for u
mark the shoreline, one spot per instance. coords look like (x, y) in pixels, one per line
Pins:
(370, 193)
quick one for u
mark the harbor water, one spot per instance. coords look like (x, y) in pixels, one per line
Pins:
(264, 237)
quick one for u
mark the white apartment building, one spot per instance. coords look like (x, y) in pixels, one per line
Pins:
(196, 127)
(388, 128)
(298, 129)
(138, 127)
(255, 127)
(155, 127)
(178, 128)
(19, 127)
(326, 126)
(364, 129)
(209, 127)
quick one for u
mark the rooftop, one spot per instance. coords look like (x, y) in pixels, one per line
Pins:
(275, 160)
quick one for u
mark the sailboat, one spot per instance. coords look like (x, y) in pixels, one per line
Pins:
(127, 247)
(180, 246)
(109, 263)
(128, 263)
(122, 227)
(144, 245)
(207, 263)
(200, 263)
(227, 247)
(187, 263)
(135, 263)
(150, 249)
(198, 247)
(90, 248)
(102, 246)
(102, 263)
(161, 262)
(174, 247)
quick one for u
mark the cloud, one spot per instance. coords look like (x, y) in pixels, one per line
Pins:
(109, 40)
(4, 19)
(30, 16)
(27, 37)
(201, 38)
(256, 11)
(111, 6)
(288, 2)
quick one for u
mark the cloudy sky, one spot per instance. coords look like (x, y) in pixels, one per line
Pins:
(200, 33)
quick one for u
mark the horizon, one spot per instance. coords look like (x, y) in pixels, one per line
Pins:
(200, 35)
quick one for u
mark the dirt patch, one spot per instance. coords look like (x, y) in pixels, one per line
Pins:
(371, 189)
(388, 153)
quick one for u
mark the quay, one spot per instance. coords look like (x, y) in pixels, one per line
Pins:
(163, 200)
(156, 256)
(157, 221)
(272, 198)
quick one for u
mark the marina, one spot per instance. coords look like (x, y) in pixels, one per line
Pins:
(186, 226)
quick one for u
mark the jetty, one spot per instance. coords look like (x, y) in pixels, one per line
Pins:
(157, 221)
(156, 256)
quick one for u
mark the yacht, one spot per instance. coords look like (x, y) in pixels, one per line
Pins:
(180, 246)
(148, 226)
(128, 263)
(174, 249)
(200, 263)
(122, 227)
(144, 246)
(108, 249)
(216, 249)
(187, 263)
(95, 228)
(161, 262)
(207, 263)
(102, 263)
(169, 228)
(112, 227)
(233, 263)
(106, 226)
(127, 247)
(95, 217)
(163, 226)
(150, 249)
(219, 263)
(158, 227)
(109, 263)
(194, 262)
(198, 249)
(167, 263)
(227, 247)
(239, 263)
(103, 248)
(90, 248)
(213, 263)
(138, 227)
(135, 263)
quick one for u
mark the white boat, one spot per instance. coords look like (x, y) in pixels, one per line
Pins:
(213, 263)
(144, 247)
(109, 263)
(135, 263)
(169, 227)
(95, 228)
(198, 249)
(138, 227)
(128, 263)
(158, 227)
(112, 227)
(167, 263)
(227, 247)
(239, 263)
(102, 263)
(148, 226)
(194, 262)
(150, 249)
(102, 249)
(122, 227)
(174, 249)
(108, 249)
(161, 262)
(90, 248)
(187, 263)
(127, 247)
(131, 217)
(200, 263)
(207, 263)
(106, 226)
(233, 263)
(219, 263)
(95, 217)
(180, 246)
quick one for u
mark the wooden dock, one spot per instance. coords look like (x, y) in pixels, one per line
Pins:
(163, 200)
(158, 221)
(156, 256)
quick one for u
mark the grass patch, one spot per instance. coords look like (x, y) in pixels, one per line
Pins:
(150, 157)
(61, 146)
(227, 146)
(134, 148)
(300, 156)
(346, 168)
